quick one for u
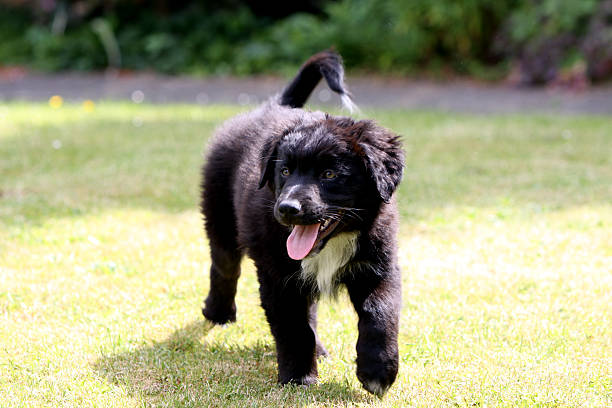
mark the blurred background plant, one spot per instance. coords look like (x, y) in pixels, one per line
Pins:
(539, 41)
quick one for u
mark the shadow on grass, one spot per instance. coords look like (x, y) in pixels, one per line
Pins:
(186, 371)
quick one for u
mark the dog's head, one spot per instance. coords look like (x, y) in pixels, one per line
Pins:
(329, 177)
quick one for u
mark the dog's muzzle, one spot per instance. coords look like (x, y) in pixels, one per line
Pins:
(307, 230)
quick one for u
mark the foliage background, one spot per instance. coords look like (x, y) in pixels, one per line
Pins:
(476, 37)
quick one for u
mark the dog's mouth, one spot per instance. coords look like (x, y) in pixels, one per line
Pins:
(304, 238)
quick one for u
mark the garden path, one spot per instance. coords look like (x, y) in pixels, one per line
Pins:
(369, 92)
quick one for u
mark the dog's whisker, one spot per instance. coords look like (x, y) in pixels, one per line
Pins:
(337, 207)
(344, 214)
(354, 216)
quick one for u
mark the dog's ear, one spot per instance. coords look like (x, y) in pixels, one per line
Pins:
(383, 156)
(268, 162)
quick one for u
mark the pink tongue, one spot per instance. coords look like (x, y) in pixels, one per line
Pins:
(301, 240)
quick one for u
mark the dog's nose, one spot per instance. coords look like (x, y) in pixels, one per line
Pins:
(289, 207)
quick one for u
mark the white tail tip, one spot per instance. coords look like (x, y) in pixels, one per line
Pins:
(348, 103)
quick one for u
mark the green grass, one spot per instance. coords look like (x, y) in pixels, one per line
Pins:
(506, 255)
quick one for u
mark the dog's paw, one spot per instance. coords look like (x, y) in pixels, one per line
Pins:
(321, 351)
(305, 380)
(375, 387)
(219, 316)
(377, 376)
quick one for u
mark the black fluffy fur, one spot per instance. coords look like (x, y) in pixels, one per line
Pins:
(326, 64)
(280, 166)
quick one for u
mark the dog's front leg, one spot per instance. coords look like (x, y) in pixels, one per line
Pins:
(377, 302)
(288, 312)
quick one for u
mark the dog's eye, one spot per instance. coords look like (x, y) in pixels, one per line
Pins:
(329, 174)
(285, 172)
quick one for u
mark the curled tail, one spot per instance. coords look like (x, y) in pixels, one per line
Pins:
(325, 64)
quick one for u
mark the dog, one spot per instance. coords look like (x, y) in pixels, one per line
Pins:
(310, 198)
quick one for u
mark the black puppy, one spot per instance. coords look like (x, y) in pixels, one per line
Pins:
(327, 219)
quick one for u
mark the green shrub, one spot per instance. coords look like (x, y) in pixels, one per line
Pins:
(547, 35)
(380, 35)
(532, 20)
(14, 48)
(80, 50)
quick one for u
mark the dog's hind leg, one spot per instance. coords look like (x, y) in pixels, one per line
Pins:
(219, 306)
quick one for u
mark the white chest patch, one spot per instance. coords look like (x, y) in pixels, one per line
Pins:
(323, 267)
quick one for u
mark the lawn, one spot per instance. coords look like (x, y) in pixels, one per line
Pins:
(506, 256)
